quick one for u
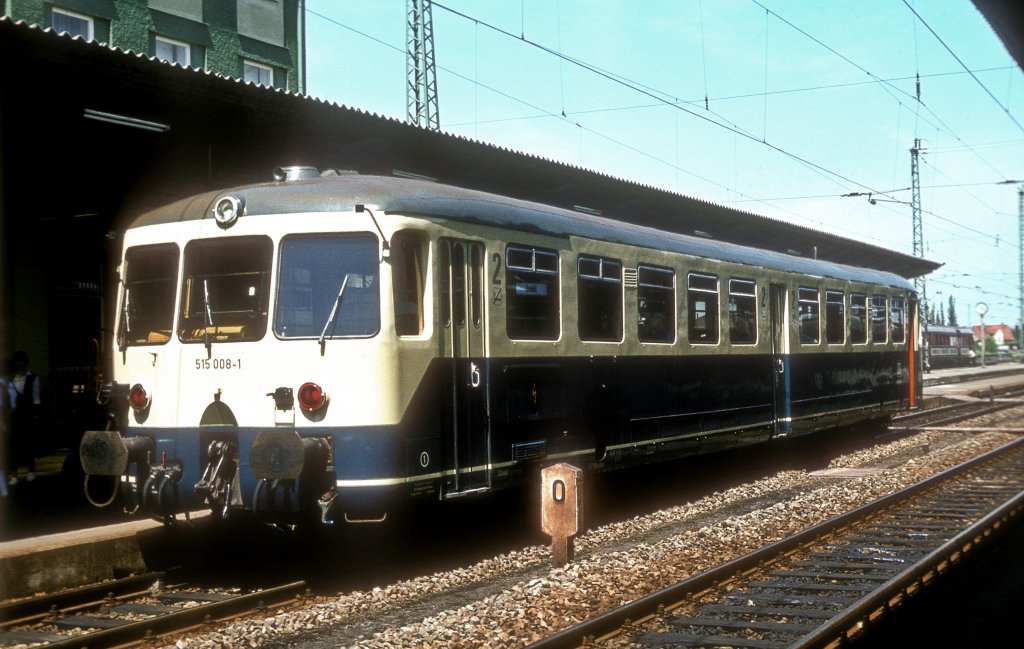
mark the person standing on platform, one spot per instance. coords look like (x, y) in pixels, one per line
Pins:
(5, 438)
(24, 397)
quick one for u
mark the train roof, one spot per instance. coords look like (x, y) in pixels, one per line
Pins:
(950, 329)
(341, 192)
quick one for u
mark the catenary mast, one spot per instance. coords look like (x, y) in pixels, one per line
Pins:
(421, 75)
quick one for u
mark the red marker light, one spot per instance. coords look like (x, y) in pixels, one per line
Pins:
(138, 398)
(311, 397)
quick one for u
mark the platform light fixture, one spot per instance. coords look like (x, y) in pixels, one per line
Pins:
(124, 120)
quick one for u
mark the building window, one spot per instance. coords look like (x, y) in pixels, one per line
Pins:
(173, 51)
(742, 312)
(807, 301)
(600, 299)
(531, 279)
(261, 75)
(702, 296)
(835, 319)
(67, 22)
(656, 304)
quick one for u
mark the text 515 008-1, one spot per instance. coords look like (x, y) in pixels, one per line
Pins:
(218, 363)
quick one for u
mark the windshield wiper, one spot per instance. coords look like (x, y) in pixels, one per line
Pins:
(334, 313)
(125, 332)
(209, 318)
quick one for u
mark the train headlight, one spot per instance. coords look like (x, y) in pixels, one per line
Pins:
(227, 210)
(311, 397)
(138, 398)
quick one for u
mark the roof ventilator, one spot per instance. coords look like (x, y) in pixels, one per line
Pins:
(288, 174)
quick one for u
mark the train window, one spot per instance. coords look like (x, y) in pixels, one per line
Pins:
(896, 319)
(835, 318)
(702, 296)
(408, 269)
(878, 324)
(807, 304)
(225, 289)
(600, 299)
(461, 271)
(656, 304)
(327, 286)
(476, 291)
(742, 312)
(531, 280)
(147, 300)
(444, 280)
(858, 318)
(458, 282)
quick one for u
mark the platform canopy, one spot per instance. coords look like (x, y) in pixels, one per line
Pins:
(91, 135)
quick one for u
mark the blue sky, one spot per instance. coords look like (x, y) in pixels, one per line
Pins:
(805, 101)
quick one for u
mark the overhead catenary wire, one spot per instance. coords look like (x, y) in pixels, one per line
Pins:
(739, 132)
(964, 66)
(664, 101)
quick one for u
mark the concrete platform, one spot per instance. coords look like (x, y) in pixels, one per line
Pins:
(46, 563)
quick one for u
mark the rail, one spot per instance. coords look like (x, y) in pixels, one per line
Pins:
(86, 619)
(834, 609)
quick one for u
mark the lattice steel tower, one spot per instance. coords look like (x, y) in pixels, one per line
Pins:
(421, 90)
(919, 283)
(915, 205)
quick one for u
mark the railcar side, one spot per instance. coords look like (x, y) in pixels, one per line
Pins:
(950, 346)
(336, 346)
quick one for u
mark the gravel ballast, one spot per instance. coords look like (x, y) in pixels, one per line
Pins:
(517, 598)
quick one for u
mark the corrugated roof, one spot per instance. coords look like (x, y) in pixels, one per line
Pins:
(223, 131)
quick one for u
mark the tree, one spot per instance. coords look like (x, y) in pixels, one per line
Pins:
(952, 311)
(991, 347)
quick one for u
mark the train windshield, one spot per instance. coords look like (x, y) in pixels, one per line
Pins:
(225, 290)
(147, 303)
(327, 287)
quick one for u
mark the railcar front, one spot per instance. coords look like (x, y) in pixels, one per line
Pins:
(256, 359)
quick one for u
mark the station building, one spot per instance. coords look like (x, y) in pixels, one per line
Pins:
(258, 41)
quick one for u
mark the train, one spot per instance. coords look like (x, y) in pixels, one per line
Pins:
(950, 346)
(333, 347)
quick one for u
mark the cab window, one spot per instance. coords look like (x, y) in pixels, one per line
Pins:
(327, 287)
(408, 269)
(146, 316)
(225, 290)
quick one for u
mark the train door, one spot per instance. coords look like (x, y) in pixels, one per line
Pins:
(463, 342)
(779, 316)
(916, 354)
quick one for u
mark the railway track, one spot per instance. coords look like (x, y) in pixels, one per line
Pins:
(829, 584)
(117, 614)
(103, 614)
(983, 402)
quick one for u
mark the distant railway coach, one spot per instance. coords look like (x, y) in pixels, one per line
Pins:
(333, 347)
(950, 346)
